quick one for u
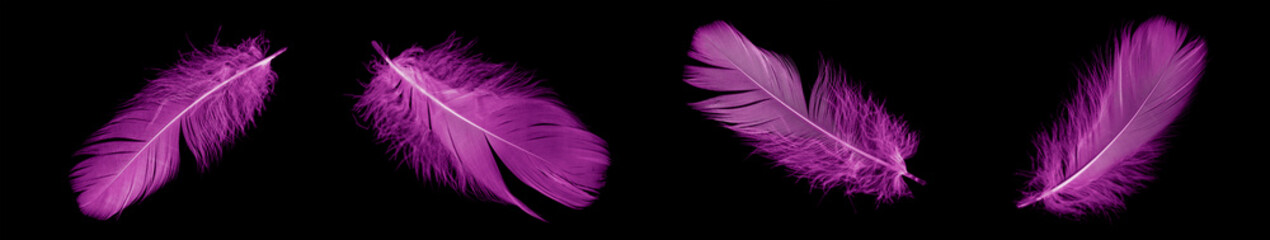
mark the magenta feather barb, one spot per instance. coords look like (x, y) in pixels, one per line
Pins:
(454, 117)
(208, 99)
(844, 139)
(1102, 151)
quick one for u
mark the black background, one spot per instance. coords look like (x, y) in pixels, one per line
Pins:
(977, 82)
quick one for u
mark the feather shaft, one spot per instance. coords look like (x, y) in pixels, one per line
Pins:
(1100, 157)
(196, 102)
(476, 115)
(821, 130)
(207, 99)
(843, 140)
(1103, 148)
(443, 105)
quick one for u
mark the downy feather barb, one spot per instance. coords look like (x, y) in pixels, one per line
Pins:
(1113, 129)
(209, 98)
(843, 139)
(455, 118)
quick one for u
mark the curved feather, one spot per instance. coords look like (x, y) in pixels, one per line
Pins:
(450, 115)
(1102, 151)
(208, 98)
(844, 140)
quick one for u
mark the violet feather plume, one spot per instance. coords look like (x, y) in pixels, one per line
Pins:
(843, 139)
(1113, 129)
(454, 118)
(208, 99)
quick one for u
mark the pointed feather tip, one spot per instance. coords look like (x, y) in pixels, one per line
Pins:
(910, 176)
(274, 55)
(1026, 202)
(380, 50)
(527, 210)
(512, 200)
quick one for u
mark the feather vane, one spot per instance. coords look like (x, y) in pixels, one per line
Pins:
(209, 98)
(454, 118)
(1114, 128)
(844, 139)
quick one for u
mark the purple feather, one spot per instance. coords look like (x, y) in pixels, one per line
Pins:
(1102, 151)
(451, 115)
(844, 139)
(208, 98)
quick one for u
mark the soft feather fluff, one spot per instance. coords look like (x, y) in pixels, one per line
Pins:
(844, 139)
(455, 118)
(1112, 131)
(208, 98)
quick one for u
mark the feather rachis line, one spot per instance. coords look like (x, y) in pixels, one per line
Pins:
(187, 109)
(447, 108)
(1098, 157)
(903, 172)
